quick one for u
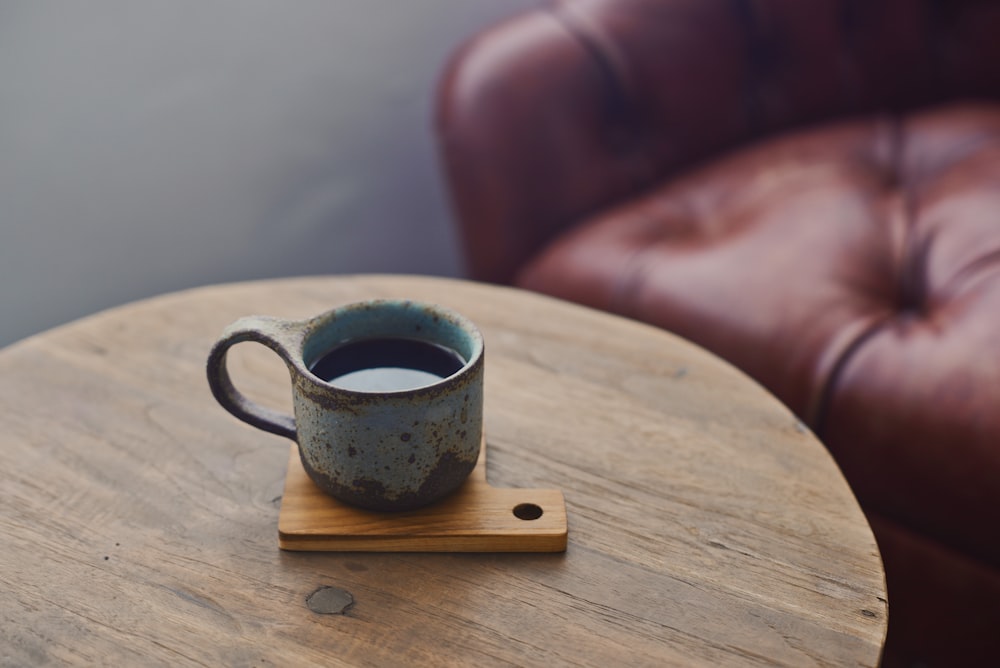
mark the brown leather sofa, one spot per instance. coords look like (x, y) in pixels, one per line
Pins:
(808, 188)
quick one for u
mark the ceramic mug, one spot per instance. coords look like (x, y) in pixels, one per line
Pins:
(405, 435)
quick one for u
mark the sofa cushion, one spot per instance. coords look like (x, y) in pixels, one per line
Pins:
(854, 270)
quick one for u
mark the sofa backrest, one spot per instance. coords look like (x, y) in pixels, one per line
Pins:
(566, 110)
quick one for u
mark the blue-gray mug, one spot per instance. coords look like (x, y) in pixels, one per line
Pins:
(387, 397)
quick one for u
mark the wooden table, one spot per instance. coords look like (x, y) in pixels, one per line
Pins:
(706, 525)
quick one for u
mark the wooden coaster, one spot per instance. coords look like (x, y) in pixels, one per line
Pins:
(475, 518)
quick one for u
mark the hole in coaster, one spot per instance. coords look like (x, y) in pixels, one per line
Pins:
(527, 511)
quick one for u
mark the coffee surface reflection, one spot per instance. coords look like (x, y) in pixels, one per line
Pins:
(387, 364)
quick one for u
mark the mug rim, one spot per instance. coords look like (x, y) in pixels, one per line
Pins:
(316, 325)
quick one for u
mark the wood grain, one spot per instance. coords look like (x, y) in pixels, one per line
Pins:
(707, 526)
(475, 518)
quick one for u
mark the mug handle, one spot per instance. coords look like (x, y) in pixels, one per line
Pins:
(281, 336)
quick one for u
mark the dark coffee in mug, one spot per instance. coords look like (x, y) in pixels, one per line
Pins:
(387, 364)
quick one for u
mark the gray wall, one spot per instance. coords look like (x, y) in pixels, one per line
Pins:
(152, 146)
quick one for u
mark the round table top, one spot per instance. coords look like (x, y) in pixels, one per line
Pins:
(707, 526)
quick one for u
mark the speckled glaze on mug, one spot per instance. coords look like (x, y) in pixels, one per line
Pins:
(386, 451)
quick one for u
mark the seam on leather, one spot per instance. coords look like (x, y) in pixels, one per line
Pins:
(913, 291)
(755, 55)
(971, 273)
(910, 257)
(620, 108)
(819, 412)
